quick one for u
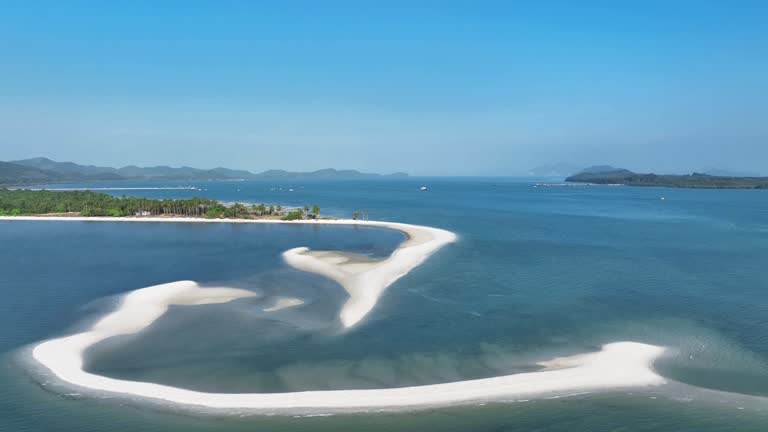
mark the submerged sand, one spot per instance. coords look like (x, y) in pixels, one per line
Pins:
(284, 303)
(617, 365)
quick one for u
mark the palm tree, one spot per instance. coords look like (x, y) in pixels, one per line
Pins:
(315, 211)
(238, 210)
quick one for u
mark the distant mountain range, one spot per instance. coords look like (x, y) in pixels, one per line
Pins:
(694, 180)
(44, 170)
(567, 170)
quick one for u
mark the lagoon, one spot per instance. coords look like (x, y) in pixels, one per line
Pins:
(537, 273)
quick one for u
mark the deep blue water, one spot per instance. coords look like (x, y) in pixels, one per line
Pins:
(537, 273)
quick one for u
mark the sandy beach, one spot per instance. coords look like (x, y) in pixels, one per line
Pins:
(616, 365)
(363, 281)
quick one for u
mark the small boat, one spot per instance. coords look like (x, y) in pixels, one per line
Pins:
(423, 188)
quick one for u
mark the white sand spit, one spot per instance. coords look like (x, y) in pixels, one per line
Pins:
(363, 281)
(366, 280)
(617, 365)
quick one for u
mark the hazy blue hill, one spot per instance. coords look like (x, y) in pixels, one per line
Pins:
(17, 174)
(567, 169)
(231, 173)
(77, 172)
(44, 170)
(605, 177)
(11, 173)
(597, 169)
(333, 173)
(327, 173)
(694, 180)
(44, 163)
(164, 172)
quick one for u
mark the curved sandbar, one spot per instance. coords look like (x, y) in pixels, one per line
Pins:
(617, 365)
(365, 280)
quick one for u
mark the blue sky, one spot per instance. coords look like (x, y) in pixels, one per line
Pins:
(431, 88)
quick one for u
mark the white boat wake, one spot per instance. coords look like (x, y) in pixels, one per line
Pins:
(617, 365)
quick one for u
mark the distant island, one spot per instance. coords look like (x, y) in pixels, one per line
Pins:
(564, 170)
(568, 169)
(602, 175)
(43, 171)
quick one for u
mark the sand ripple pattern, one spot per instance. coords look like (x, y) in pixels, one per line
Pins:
(617, 365)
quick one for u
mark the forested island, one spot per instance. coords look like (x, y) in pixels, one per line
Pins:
(695, 180)
(88, 203)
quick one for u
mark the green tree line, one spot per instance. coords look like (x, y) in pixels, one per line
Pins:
(87, 203)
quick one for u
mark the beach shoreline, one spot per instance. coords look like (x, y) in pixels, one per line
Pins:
(364, 282)
(618, 365)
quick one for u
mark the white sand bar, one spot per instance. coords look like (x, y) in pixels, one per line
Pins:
(363, 281)
(617, 365)
(366, 280)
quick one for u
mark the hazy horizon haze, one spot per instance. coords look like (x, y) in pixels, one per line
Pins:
(451, 88)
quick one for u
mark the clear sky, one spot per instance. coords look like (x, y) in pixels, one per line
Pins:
(426, 87)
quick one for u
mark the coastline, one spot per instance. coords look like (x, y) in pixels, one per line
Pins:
(617, 365)
(364, 282)
(73, 189)
(186, 219)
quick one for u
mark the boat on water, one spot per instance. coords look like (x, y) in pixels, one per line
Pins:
(423, 188)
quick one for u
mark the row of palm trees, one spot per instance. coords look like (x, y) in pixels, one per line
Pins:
(89, 203)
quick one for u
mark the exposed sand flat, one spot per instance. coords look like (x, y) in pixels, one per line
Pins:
(364, 279)
(617, 365)
(137, 310)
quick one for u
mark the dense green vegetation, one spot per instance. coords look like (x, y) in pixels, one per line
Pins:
(301, 213)
(86, 203)
(695, 180)
(294, 215)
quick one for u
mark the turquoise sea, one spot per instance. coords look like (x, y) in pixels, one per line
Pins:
(537, 273)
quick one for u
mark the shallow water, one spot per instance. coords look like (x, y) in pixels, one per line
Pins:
(537, 273)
